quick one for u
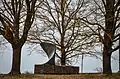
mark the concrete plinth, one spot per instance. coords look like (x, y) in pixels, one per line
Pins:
(53, 69)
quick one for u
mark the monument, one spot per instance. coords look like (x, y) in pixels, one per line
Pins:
(50, 67)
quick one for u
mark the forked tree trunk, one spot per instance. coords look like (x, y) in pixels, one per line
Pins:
(108, 35)
(16, 59)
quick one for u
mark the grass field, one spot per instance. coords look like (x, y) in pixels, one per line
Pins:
(78, 76)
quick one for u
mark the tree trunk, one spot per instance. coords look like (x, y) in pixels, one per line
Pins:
(63, 59)
(16, 59)
(107, 54)
(106, 62)
(63, 53)
(108, 35)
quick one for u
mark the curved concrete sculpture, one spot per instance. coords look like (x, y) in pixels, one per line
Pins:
(50, 67)
(50, 50)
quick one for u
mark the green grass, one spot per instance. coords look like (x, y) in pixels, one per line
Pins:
(76, 76)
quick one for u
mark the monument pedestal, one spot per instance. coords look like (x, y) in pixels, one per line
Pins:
(53, 69)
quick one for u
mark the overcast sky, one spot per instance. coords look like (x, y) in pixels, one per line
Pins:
(28, 61)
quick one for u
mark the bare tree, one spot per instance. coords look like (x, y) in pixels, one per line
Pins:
(59, 25)
(103, 18)
(16, 16)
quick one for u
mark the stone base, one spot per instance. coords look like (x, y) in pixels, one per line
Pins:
(53, 69)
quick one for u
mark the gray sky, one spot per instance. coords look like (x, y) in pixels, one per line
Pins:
(28, 61)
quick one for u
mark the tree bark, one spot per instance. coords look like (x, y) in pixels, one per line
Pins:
(16, 59)
(107, 52)
(63, 53)
(106, 62)
(108, 36)
(63, 59)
